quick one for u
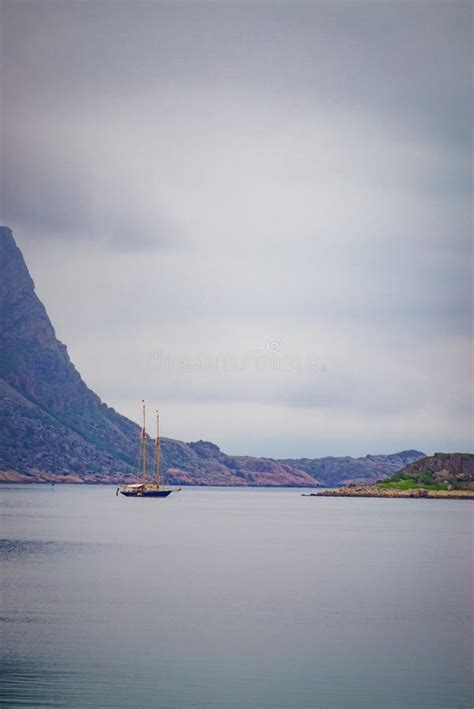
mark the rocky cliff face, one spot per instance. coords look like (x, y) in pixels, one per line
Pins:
(53, 427)
(50, 421)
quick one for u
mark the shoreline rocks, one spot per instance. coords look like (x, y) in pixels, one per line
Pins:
(374, 491)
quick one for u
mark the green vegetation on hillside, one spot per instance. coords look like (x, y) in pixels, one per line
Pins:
(410, 484)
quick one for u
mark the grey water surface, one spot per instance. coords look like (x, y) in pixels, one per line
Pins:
(228, 598)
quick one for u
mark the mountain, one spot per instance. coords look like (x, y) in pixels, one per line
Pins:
(53, 427)
(332, 471)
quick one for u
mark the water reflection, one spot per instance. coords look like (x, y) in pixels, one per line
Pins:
(21, 549)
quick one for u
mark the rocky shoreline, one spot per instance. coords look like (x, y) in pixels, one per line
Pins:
(374, 491)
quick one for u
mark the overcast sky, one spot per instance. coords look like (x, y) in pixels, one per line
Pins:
(255, 215)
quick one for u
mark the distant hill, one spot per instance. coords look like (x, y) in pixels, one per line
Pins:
(333, 471)
(452, 470)
(53, 427)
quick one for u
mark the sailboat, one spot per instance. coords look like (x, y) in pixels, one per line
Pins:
(146, 489)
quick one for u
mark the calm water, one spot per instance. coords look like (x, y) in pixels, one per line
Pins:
(234, 598)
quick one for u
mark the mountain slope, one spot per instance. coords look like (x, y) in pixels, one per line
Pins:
(53, 427)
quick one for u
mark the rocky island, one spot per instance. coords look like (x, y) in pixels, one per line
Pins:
(441, 476)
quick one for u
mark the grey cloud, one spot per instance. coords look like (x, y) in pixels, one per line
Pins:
(411, 60)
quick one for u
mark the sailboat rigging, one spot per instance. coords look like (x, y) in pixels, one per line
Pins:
(146, 489)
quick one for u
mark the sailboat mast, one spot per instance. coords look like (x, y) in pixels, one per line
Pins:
(144, 444)
(157, 449)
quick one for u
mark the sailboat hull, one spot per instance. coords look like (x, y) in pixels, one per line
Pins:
(146, 493)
